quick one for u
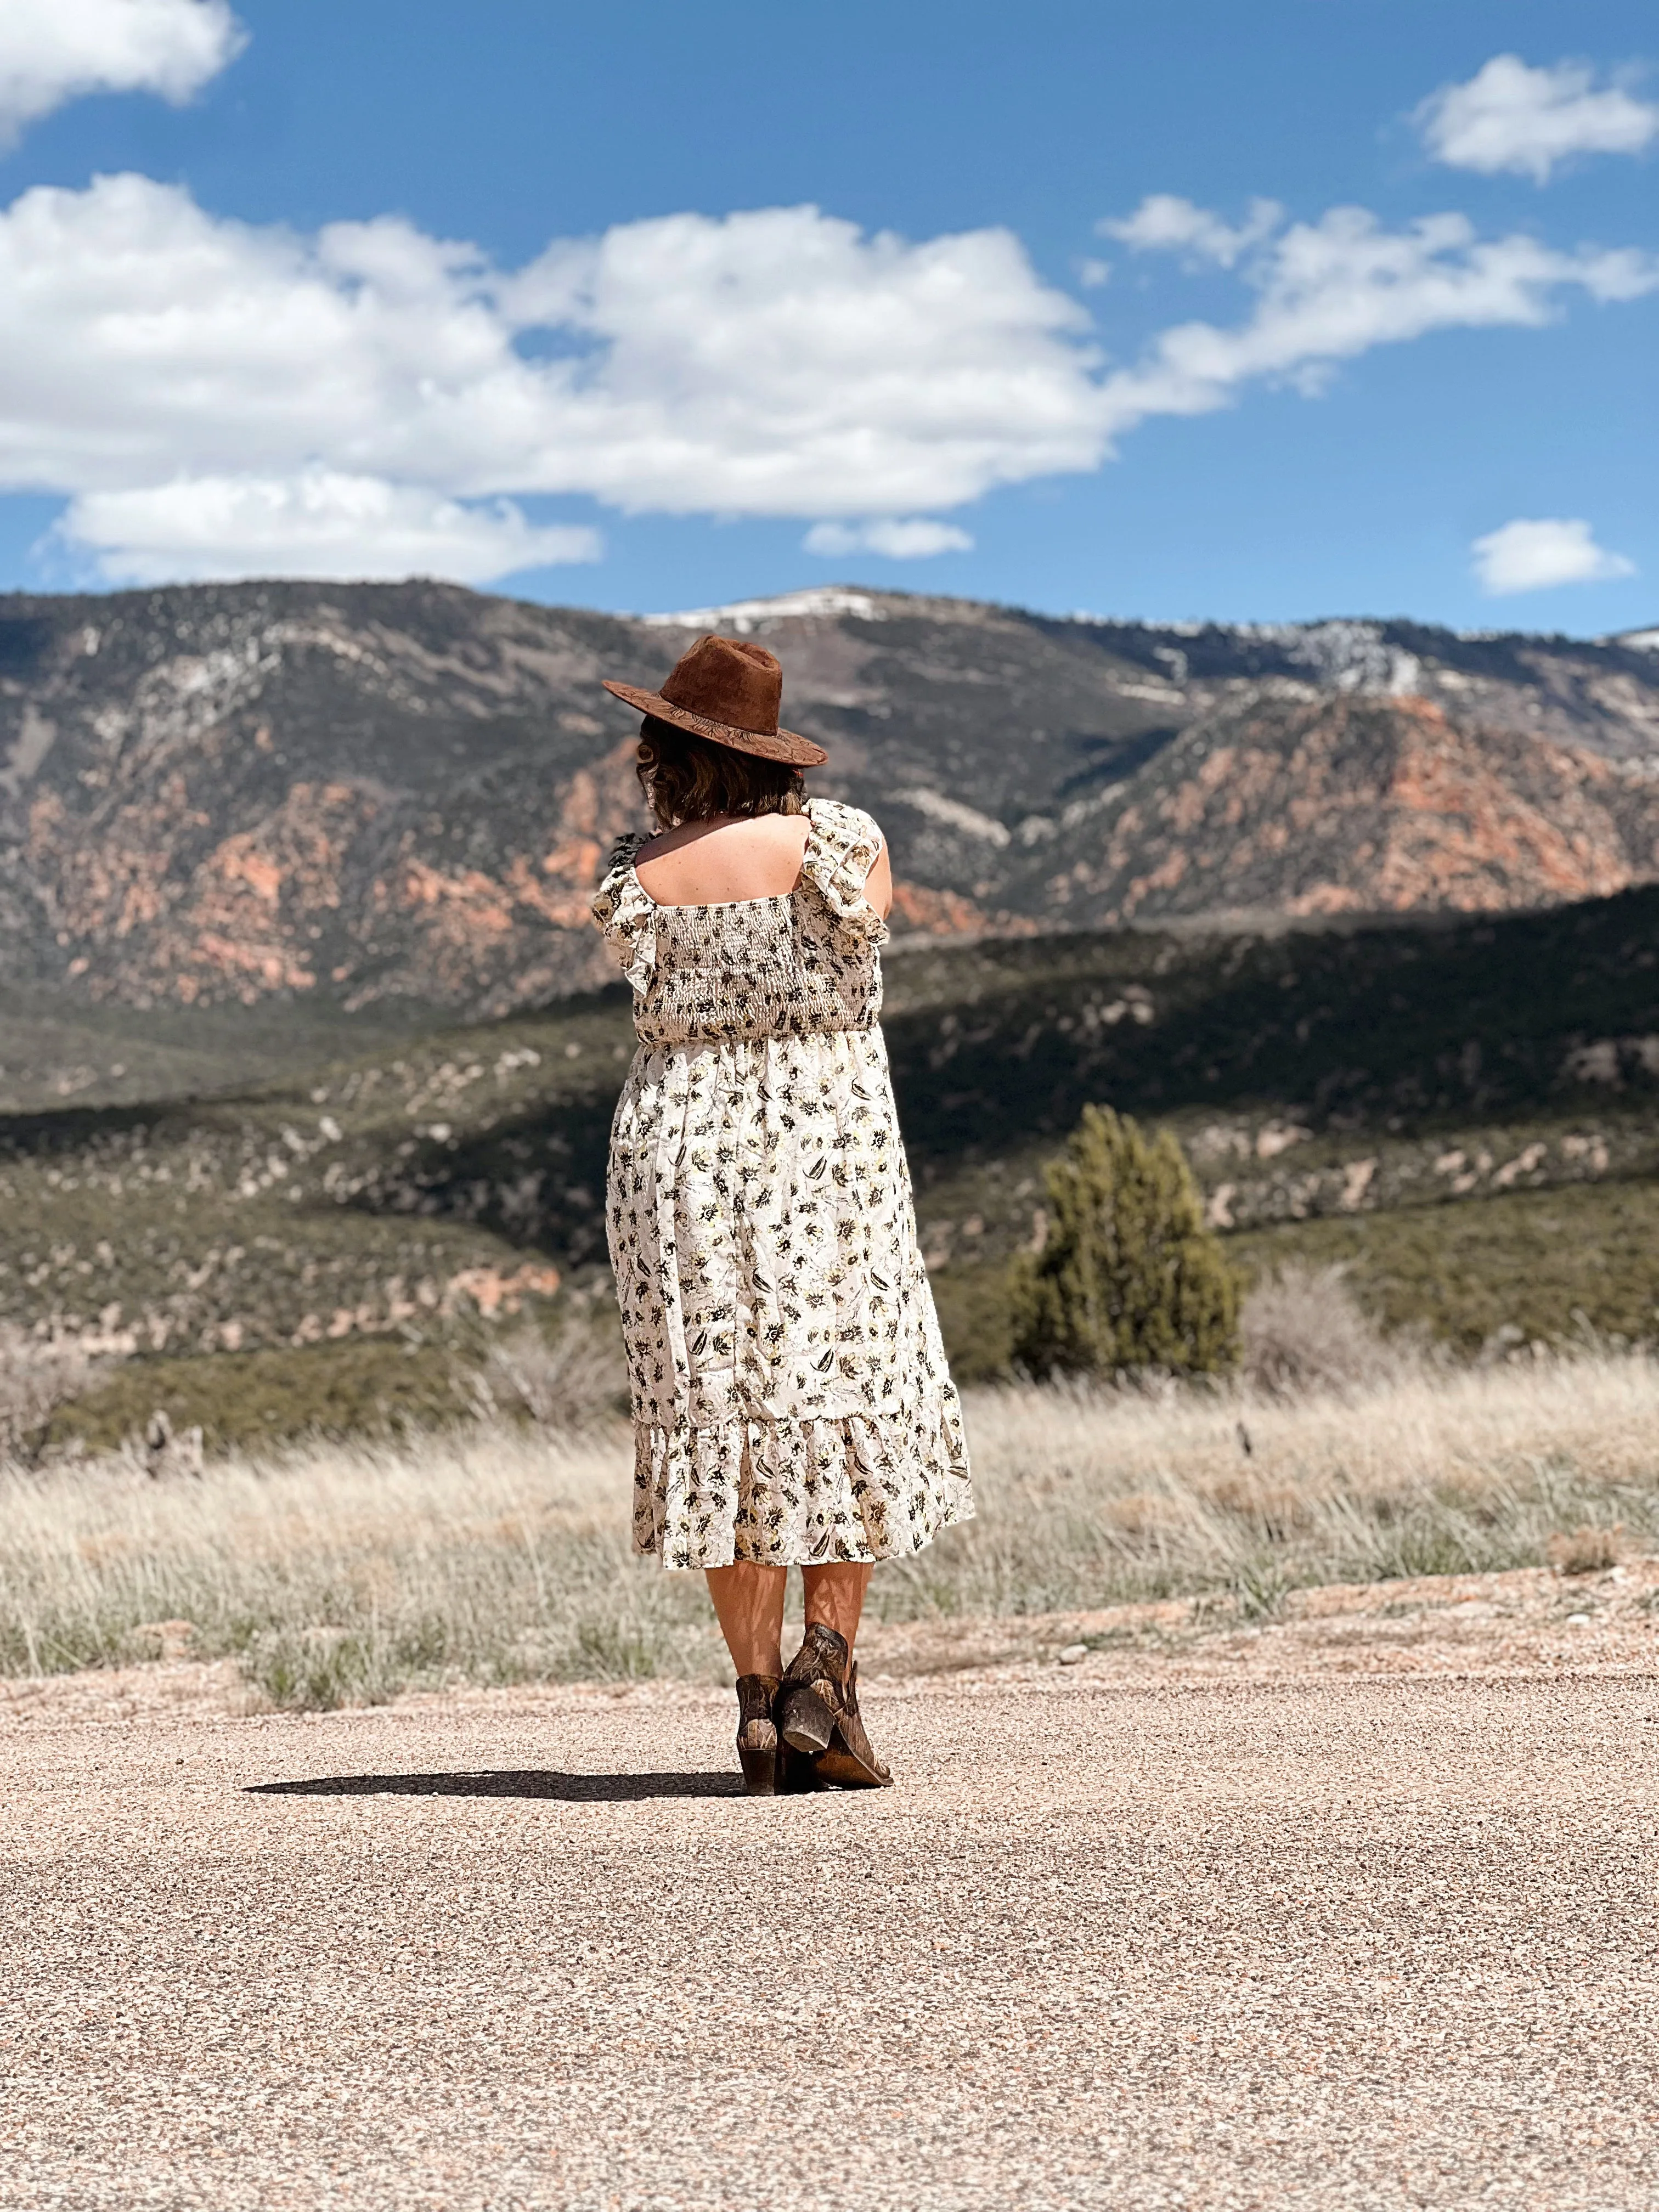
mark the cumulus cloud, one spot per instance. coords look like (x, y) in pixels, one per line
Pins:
(1330, 290)
(894, 540)
(1165, 223)
(1531, 556)
(1527, 120)
(782, 363)
(54, 51)
(777, 363)
(317, 523)
(215, 397)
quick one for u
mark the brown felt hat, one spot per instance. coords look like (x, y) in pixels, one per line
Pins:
(730, 693)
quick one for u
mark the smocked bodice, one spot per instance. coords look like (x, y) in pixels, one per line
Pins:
(807, 962)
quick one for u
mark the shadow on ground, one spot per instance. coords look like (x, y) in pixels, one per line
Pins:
(567, 1788)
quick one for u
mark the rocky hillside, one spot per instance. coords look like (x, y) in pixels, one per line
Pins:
(365, 796)
(1464, 1108)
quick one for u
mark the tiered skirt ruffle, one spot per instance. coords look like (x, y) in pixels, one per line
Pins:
(800, 1493)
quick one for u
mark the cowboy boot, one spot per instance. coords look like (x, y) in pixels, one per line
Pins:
(809, 1703)
(850, 1763)
(757, 1734)
(818, 1715)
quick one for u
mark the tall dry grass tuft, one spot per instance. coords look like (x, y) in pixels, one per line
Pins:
(37, 1375)
(343, 1575)
(569, 1383)
(1302, 1330)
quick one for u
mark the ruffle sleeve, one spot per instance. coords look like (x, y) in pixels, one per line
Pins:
(627, 918)
(843, 845)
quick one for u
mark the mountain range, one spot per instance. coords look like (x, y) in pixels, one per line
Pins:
(367, 797)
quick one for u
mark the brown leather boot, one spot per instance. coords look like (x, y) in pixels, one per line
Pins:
(819, 1714)
(851, 1763)
(759, 1749)
(809, 1703)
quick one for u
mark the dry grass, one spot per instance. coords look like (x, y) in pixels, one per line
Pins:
(343, 1575)
(571, 1383)
(1098, 1497)
(37, 1375)
(1302, 1329)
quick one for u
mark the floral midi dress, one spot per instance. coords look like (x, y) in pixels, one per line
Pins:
(791, 1402)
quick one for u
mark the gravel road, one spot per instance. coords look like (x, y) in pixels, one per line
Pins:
(1331, 1942)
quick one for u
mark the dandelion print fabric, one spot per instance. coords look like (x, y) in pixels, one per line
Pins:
(792, 1403)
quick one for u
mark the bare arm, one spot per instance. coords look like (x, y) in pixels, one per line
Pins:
(878, 884)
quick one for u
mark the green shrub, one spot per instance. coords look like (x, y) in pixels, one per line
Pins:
(1128, 1276)
(972, 1304)
(250, 1401)
(1545, 1265)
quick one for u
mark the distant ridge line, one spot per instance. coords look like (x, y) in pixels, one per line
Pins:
(869, 603)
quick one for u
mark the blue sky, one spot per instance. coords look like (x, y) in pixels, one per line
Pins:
(243, 337)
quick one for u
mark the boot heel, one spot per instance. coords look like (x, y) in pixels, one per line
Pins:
(760, 1770)
(807, 1720)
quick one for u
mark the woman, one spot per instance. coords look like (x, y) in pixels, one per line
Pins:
(791, 1405)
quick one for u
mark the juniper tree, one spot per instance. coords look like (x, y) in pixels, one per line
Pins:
(1128, 1276)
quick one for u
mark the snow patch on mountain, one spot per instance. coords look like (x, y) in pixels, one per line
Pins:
(744, 615)
(1348, 656)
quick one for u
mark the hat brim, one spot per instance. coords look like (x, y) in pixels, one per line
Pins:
(766, 745)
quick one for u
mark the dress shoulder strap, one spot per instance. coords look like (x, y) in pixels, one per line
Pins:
(627, 918)
(843, 845)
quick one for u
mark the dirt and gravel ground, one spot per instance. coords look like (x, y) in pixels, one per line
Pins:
(1269, 1915)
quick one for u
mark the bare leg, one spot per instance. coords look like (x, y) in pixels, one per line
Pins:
(835, 1596)
(749, 1606)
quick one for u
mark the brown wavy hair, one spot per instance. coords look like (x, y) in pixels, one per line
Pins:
(690, 779)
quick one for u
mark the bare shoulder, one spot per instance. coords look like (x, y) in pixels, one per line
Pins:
(757, 833)
(708, 863)
(772, 833)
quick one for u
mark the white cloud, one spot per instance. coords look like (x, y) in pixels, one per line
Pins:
(1330, 290)
(1165, 223)
(215, 398)
(1511, 117)
(318, 523)
(894, 540)
(779, 363)
(1531, 556)
(54, 51)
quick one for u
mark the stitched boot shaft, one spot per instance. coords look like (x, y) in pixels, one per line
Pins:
(758, 1733)
(812, 1695)
(755, 1725)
